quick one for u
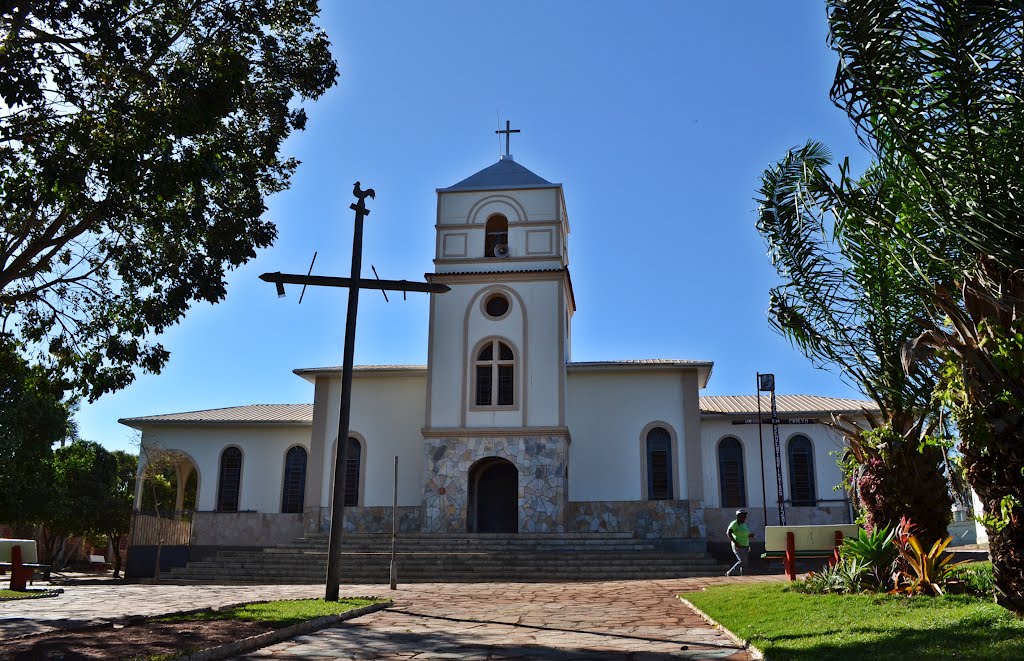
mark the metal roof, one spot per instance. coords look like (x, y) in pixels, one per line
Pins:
(666, 362)
(789, 404)
(302, 414)
(506, 173)
(279, 414)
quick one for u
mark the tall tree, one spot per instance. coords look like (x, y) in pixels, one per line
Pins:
(120, 496)
(33, 418)
(138, 142)
(849, 308)
(933, 91)
(92, 493)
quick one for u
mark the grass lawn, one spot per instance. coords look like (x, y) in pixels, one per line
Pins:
(276, 613)
(788, 625)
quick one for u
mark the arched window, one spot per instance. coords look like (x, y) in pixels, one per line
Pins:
(730, 473)
(230, 480)
(495, 372)
(496, 234)
(294, 496)
(659, 464)
(353, 466)
(801, 472)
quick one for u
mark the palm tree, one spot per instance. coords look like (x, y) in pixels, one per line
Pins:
(848, 307)
(933, 89)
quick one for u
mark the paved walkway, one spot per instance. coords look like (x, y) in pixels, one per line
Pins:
(608, 620)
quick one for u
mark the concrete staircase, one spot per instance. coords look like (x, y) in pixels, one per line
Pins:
(461, 558)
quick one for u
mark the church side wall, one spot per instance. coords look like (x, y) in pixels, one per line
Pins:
(607, 413)
(263, 450)
(387, 415)
(832, 505)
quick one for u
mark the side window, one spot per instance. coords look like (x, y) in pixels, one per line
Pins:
(659, 464)
(730, 473)
(230, 480)
(801, 472)
(294, 490)
(353, 468)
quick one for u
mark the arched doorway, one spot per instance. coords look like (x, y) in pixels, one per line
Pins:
(493, 496)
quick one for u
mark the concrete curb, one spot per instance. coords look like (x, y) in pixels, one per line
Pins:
(252, 643)
(745, 644)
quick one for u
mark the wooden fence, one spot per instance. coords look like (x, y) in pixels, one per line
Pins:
(151, 530)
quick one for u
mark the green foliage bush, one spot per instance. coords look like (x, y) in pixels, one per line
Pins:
(977, 579)
(891, 561)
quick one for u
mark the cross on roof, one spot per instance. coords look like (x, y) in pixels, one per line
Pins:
(508, 134)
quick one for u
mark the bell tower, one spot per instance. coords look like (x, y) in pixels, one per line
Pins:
(498, 345)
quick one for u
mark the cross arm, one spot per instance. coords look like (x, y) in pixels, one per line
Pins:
(362, 283)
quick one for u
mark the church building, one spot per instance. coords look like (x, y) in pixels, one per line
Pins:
(501, 431)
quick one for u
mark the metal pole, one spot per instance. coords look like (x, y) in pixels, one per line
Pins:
(760, 445)
(338, 500)
(778, 462)
(394, 529)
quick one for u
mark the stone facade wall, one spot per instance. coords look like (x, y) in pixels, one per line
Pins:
(374, 519)
(650, 519)
(540, 460)
(378, 519)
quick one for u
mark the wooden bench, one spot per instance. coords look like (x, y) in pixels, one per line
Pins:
(791, 543)
(97, 562)
(19, 555)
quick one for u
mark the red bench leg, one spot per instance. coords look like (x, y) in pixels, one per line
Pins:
(790, 561)
(835, 551)
(20, 574)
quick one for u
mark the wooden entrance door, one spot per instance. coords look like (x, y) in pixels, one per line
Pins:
(494, 496)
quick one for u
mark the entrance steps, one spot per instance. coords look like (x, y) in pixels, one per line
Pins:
(366, 559)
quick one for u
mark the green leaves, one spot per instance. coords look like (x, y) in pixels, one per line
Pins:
(141, 141)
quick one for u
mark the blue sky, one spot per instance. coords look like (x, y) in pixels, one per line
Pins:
(658, 118)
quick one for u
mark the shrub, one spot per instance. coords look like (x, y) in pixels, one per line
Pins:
(927, 571)
(875, 549)
(977, 578)
(844, 577)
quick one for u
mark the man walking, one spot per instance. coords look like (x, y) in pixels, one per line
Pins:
(740, 536)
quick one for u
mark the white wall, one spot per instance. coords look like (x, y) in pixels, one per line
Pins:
(531, 326)
(606, 413)
(537, 229)
(824, 441)
(387, 411)
(263, 449)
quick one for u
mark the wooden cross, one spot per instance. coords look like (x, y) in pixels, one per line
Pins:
(354, 284)
(508, 134)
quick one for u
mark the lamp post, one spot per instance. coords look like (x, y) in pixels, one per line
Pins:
(766, 383)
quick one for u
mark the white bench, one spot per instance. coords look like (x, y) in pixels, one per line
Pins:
(20, 556)
(790, 543)
(97, 562)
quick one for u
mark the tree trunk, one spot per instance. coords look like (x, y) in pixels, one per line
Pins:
(995, 473)
(909, 483)
(115, 542)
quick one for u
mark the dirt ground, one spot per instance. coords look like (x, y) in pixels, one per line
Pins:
(133, 641)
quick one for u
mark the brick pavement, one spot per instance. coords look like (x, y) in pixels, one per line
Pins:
(607, 620)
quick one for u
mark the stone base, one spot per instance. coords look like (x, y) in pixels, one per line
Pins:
(369, 520)
(540, 460)
(649, 519)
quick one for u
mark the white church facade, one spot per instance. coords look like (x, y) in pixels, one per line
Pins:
(500, 431)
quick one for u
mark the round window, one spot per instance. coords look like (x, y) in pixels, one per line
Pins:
(496, 306)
